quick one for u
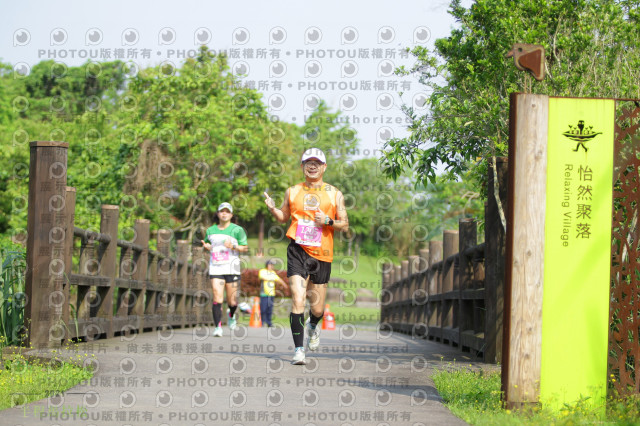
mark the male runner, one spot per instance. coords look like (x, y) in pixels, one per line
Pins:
(316, 209)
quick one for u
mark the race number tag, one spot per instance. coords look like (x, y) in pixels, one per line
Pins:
(308, 233)
(220, 256)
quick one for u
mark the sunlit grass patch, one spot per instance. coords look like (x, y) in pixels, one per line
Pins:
(475, 397)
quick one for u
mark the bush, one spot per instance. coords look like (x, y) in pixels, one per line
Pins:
(250, 284)
(12, 296)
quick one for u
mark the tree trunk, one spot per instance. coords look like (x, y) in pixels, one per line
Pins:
(357, 250)
(260, 251)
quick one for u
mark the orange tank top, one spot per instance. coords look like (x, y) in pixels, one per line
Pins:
(304, 202)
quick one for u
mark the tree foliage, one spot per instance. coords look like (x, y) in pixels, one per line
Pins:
(592, 50)
(170, 144)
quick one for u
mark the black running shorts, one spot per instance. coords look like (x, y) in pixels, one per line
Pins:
(227, 278)
(299, 262)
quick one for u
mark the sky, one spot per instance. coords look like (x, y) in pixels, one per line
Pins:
(294, 53)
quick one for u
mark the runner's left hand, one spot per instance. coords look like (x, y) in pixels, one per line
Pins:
(319, 218)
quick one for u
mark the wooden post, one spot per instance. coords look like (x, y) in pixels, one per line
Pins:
(196, 283)
(207, 311)
(45, 243)
(468, 239)
(423, 260)
(165, 269)
(404, 288)
(433, 278)
(107, 255)
(124, 295)
(525, 249)
(412, 286)
(392, 276)
(383, 293)
(422, 288)
(404, 269)
(174, 289)
(141, 261)
(152, 294)
(450, 247)
(396, 293)
(397, 275)
(494, 264)
(87, 265)
(435, 256)
(404, 294)
(69, 213)
(413, 265)
(183, 258)
(387, 271)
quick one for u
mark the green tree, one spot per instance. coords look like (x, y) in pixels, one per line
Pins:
(331, 133)
(56, 102)
(194, 137)
(592, 50)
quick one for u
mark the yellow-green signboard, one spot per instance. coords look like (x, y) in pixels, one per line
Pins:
(577, 250)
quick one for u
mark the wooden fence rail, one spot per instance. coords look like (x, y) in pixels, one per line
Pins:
(151, 289)
(452, 291)
(443, 300)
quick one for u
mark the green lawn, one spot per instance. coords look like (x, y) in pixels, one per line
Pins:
(24, 380)
(475, 397)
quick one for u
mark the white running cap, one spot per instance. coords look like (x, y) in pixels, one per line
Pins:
(314, 153)
(225, 206)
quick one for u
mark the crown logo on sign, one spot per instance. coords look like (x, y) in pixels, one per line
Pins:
(580, 134)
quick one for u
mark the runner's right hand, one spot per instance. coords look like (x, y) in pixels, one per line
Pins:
(269, 202)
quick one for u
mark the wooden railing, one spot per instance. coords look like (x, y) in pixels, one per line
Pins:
(452, 291)
(151, 289)
(440, 298)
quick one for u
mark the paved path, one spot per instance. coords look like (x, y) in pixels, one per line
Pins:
(186, 377)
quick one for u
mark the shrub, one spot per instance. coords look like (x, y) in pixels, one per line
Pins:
(12, 296)
(250, 284)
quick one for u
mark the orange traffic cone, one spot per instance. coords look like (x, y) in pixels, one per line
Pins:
(329, 320)
(256, 317)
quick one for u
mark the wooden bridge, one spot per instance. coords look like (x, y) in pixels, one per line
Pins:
(151, 288)
(452, 292)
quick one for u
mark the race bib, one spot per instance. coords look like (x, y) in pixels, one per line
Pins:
(220, 256)
(308, 234)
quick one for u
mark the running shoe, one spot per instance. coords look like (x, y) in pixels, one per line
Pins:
(217, 332)
(313, 336)
(298, 357)
(232, 323)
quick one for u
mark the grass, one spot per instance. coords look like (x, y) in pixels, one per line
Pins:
(26, 379)
(475, 397)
